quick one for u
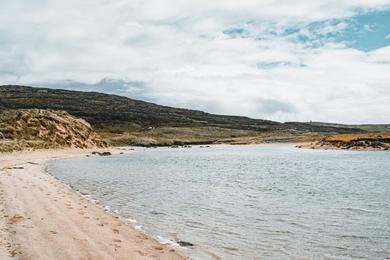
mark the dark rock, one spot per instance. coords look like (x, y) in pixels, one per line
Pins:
(33, 163)
(185, 244)
(153, 212)
(101, 153)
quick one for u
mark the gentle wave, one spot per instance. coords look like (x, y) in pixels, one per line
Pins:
(271, 202)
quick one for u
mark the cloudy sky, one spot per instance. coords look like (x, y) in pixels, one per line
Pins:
(323, 60)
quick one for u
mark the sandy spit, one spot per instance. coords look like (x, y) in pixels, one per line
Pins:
(42, 218)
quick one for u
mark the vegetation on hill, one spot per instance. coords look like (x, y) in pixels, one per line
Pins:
(363, 141)
(365, 127)
(37, 129)
(357, 137)
(324, 128)
(125, 121)
(103, 110)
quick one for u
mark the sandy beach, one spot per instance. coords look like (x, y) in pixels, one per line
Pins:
(41, 218)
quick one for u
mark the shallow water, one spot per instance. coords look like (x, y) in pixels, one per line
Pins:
(247, 202)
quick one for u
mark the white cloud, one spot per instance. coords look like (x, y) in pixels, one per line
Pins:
(368, 28)
(180, 50)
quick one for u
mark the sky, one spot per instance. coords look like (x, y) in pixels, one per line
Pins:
(323, 60)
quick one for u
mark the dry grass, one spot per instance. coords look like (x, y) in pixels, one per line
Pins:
(206, 135)
(39, 129)
(171, 135)
(356, 137)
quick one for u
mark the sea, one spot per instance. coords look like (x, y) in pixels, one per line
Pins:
(245, 202)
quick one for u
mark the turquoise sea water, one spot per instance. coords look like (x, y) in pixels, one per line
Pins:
(247, 202)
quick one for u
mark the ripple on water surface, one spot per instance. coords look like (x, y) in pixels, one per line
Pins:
(273, 202)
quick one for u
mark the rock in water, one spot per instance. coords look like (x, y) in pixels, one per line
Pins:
(185, 244)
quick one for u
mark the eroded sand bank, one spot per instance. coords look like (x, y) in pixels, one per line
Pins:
(41, 218)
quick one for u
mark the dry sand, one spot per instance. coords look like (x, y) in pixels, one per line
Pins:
(41, 218)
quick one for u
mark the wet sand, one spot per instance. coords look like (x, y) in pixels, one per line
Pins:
(41, 218)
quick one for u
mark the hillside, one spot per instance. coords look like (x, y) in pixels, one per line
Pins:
(365, 127)
(324, 128)
(102, 110)
(122, 120)
(37, 129)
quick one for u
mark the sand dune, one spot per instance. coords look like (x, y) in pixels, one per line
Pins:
(41, 218)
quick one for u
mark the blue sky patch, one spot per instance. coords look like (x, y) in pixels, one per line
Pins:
(236, 32)
(365, 31)
(272, 64)
(368, 31)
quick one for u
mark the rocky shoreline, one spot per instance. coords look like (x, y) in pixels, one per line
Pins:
(359, 145)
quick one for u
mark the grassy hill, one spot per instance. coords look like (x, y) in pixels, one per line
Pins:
(122, 120)
(365, 127)
(103, 110)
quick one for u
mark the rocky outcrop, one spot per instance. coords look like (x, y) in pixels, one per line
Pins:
(37, 129)
(367, 141)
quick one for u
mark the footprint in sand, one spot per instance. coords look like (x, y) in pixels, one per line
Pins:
(53, 232)
(143, 237)
(141, 253)
(116, 231)
(80, 239)
(116, 247)
(15, 219)
(13, 252)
